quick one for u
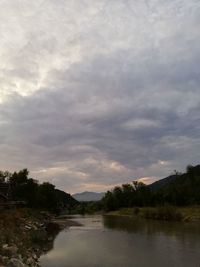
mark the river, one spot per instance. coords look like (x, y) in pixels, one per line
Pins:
(123, 242)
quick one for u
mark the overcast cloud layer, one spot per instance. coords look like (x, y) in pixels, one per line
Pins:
(97, 93)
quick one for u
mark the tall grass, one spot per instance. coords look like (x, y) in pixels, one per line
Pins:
(167, 213)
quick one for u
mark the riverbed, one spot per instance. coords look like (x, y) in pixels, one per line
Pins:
(110, 241)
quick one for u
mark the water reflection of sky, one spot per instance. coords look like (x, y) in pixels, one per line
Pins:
(120, 242)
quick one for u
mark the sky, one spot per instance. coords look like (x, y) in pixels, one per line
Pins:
(98, 93)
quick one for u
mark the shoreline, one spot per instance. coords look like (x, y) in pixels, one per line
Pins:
(26, 234)
(181, 214)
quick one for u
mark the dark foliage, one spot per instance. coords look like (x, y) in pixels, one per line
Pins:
(39, 196)
(89, 207)
(177, 190)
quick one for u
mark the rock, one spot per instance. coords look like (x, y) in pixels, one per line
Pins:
(5, 259)
(35, 257)
(10, 250)
(19, 257)
(30, 262)
(27, 227)
(50, 238)
(15, 263)
(1, 262)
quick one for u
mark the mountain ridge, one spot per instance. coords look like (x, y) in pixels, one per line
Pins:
(88, 196)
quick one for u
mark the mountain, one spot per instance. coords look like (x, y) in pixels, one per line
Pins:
(88, 196)
(162, 182)
(189, 178)
(179, 189)
(65, 199)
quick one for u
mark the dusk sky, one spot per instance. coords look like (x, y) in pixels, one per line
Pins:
(99, 93)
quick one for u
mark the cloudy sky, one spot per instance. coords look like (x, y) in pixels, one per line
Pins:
(98, 93)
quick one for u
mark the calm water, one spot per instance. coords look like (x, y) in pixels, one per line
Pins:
(123, 242)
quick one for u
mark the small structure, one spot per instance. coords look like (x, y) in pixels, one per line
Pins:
(4, 189)
(4, 195)
(6, 200)
(3, 200)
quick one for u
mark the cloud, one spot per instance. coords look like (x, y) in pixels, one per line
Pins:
(95, 94)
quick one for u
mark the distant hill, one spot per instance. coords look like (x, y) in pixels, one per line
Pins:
(190, 178)
(180, 189)
(162, 182)
(88, 196)
(65, 199)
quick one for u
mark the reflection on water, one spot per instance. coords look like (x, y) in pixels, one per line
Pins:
(124, 242)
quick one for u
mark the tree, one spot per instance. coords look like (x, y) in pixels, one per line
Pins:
(128, 194)
(4, 176)
(108, 201)
(46, 196)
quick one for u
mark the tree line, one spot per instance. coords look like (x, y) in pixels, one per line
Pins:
(35, 195)
(179, 189)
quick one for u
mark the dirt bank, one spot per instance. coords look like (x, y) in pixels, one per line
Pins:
(26, 234)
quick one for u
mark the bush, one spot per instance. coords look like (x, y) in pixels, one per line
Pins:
(136, 211)
(166, 213)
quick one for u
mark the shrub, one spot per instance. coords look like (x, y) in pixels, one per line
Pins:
(136, 211)
(167, 213)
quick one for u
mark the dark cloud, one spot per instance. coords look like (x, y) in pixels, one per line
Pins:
(100, 97)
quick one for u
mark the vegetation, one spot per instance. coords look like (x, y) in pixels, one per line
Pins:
(164, 213)
(19, 187)
(162, 197)
(89, 207)
(176, 190)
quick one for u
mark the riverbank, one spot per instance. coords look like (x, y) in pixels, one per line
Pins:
(26, 234)
(168, 213)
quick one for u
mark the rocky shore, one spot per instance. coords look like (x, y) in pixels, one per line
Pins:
(25, 235)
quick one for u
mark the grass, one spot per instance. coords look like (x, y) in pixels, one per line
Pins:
(163, 213)
(167, 213)
(190, 213)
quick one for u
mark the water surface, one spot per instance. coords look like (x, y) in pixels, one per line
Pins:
(124, 242)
